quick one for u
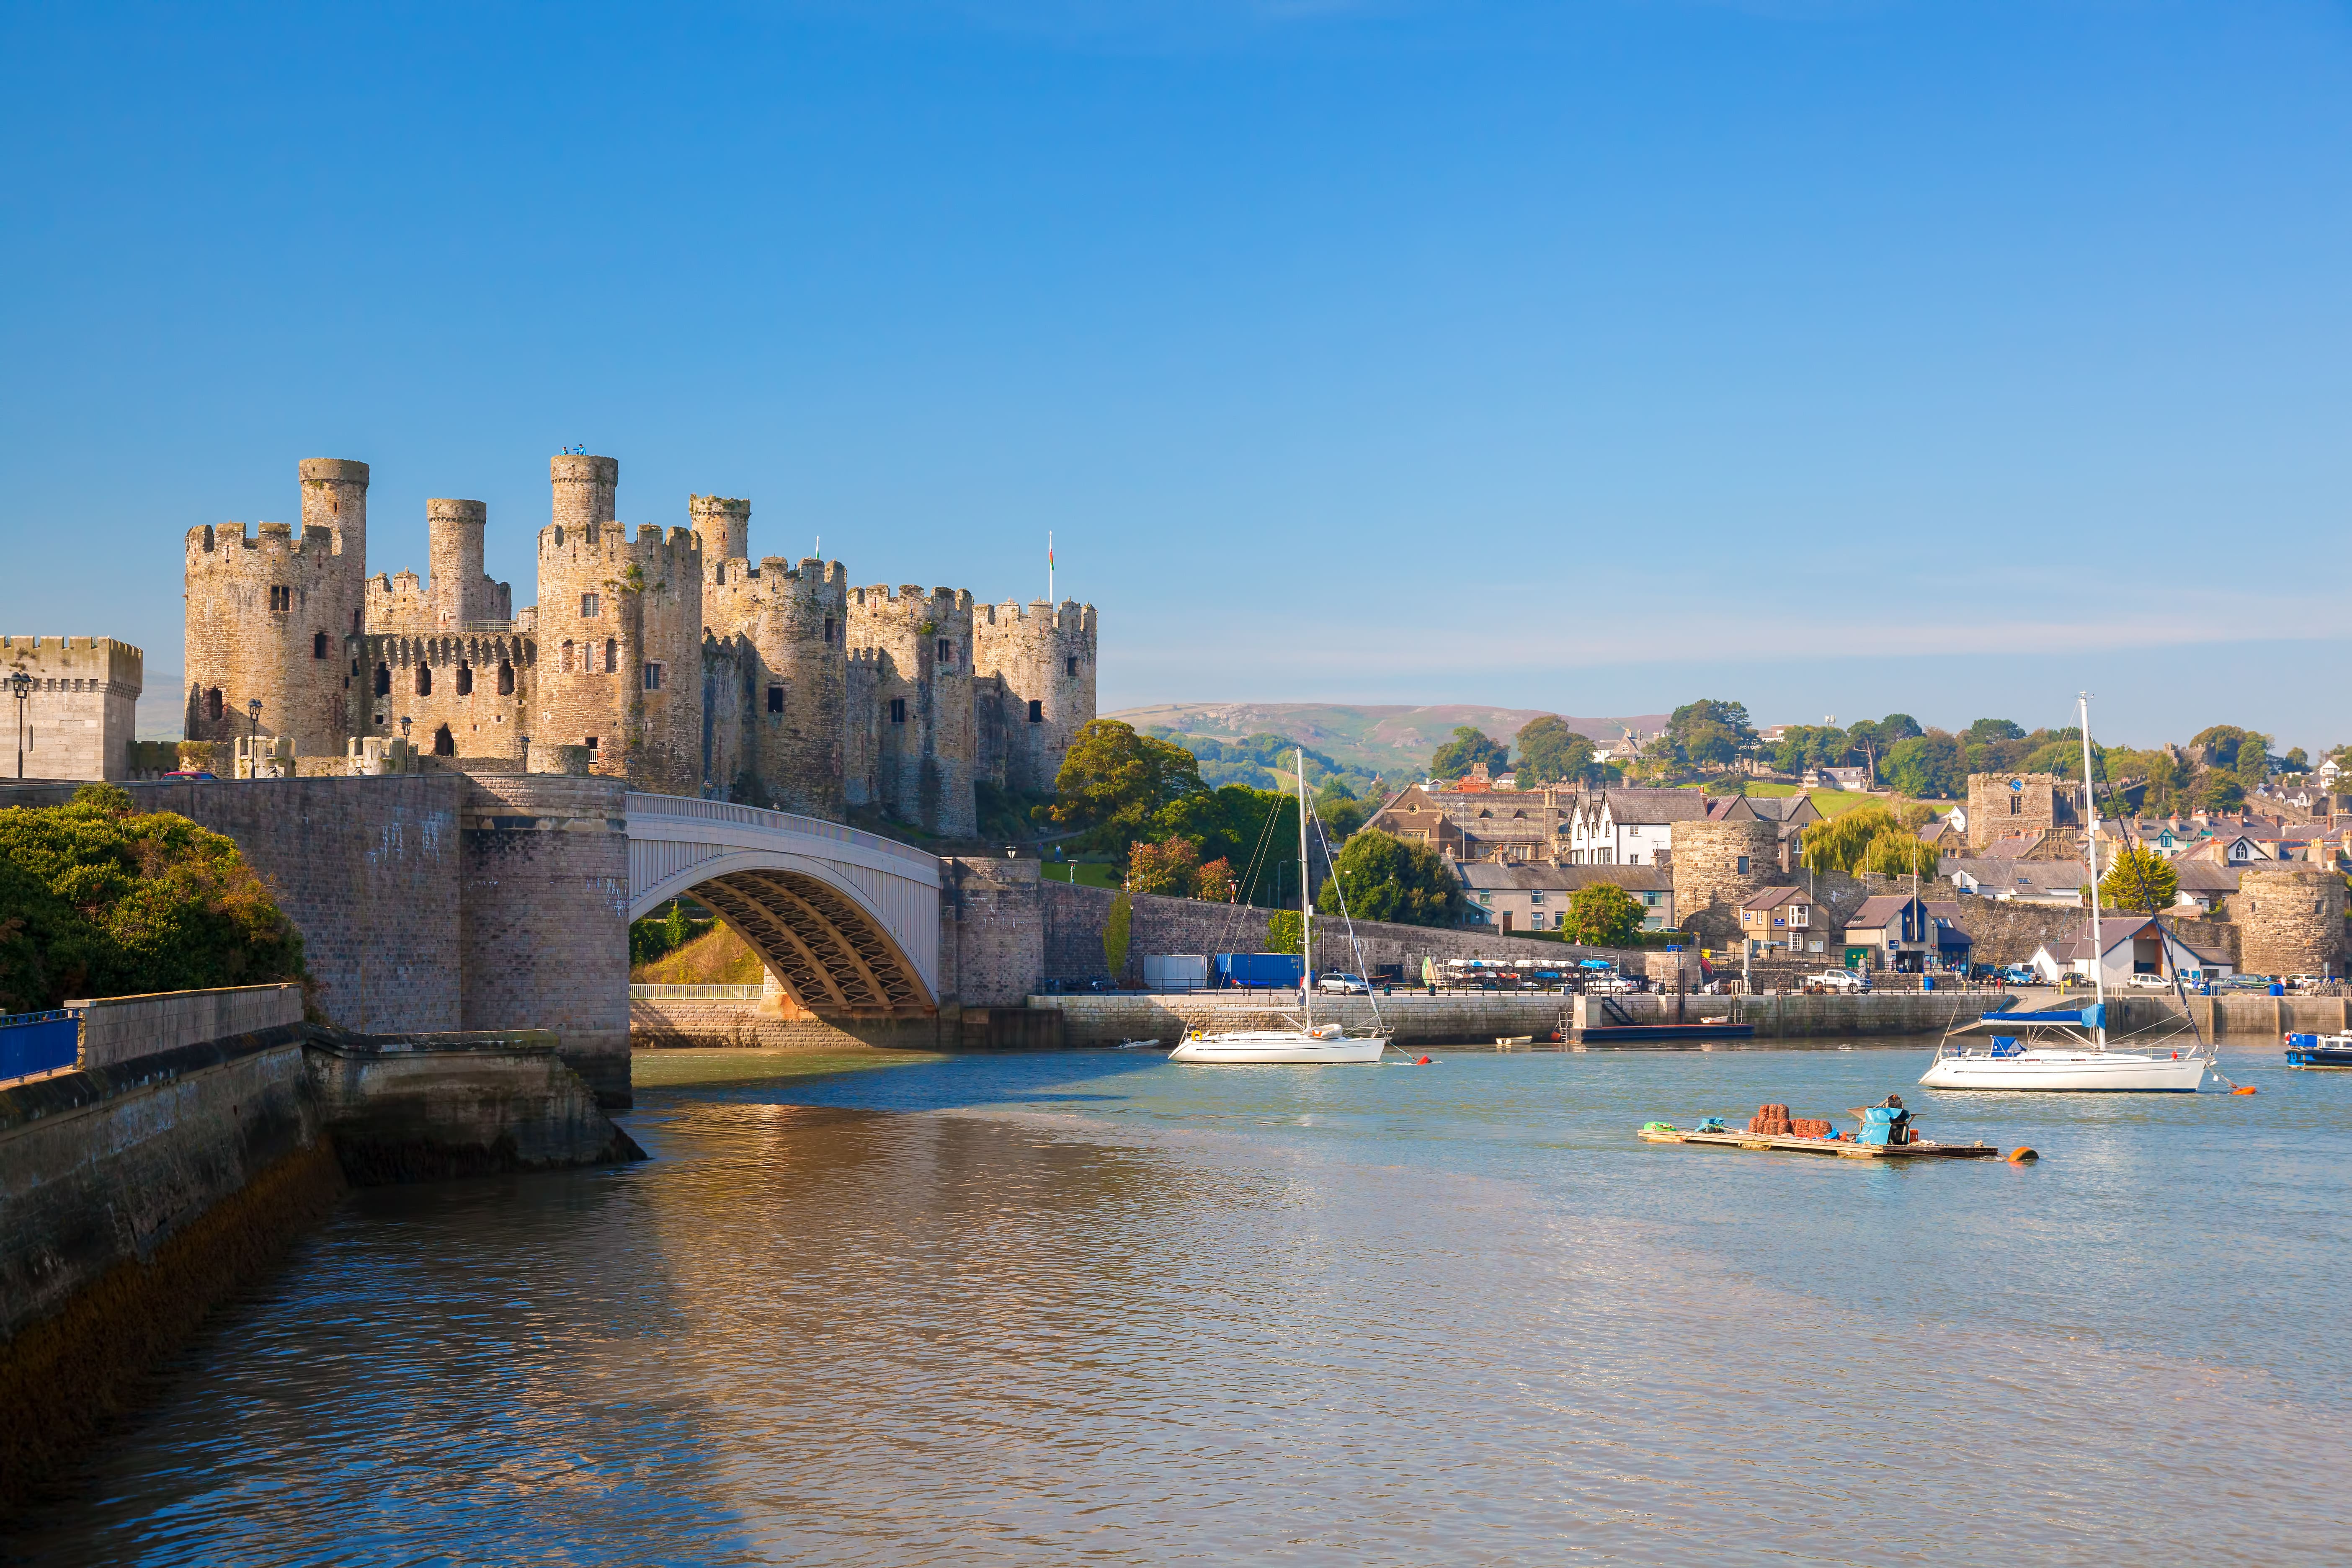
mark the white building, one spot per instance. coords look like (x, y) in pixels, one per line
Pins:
(1629, 826)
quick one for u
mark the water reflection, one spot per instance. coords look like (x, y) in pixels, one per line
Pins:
(1096, 1308)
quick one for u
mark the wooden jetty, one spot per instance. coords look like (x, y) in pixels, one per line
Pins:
(1773, 1144)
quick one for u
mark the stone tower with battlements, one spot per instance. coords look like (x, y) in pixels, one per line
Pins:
(917, 702)
(1041, 658)
(270, 613)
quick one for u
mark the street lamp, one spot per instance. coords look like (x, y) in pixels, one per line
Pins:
(20, 686)
(404, 723)
(253, 738)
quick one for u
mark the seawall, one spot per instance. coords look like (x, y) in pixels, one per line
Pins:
(142, 1185)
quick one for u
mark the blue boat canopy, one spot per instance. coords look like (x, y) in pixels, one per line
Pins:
(2093, 1016)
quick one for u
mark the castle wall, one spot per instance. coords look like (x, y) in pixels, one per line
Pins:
(2290, 920)
(922, 694)
(476, 686)
(81, 713)
(2038, 801)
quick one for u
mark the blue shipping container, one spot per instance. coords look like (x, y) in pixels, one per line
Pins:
(1260, 970)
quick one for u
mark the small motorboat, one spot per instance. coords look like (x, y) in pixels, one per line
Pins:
(2320, 1053)
(1513, 1042)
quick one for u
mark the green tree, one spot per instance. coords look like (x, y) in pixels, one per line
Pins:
(1384, 878)
(2221, 792)
(2254, 761)
(2141, 881)
(1215, 882)
(2064, 757)
(1898, 854)
(1842, 843)
(1113, 780)
(1806, 746)
(1987, 731)
(100, 900)
(1232, 822)
(1339, 810)
(1117, 929)
(1549, 751)
(1468, 748)
(1720, 726)
(2296, 761)
(1928, 767)
(1602, 914)
(2217, 745)
(1285, 932)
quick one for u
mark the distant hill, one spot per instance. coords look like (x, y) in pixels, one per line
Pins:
(1394, 741)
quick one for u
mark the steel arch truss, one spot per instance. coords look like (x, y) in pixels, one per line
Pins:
(836, 960)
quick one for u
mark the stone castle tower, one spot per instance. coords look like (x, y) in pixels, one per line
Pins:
(668, 659)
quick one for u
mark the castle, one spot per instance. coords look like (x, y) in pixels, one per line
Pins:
(671, 659)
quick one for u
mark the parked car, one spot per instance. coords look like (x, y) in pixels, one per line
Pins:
(1346, 984)
(2019, 974)
(192, 775)
(1609, 985)
(1846, 982)
(2256, 983)
(2151, 982)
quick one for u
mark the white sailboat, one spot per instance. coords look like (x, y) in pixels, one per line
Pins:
(2065, 1050)
(1311, 1044)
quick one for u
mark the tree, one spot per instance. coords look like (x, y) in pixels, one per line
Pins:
(1383, 878)
(97, 899)
(1929, 766)
(1339, 809)
(1896, 853)
(1232, 822)
(1722, 728)
(1215, 882)
(1711, 745)
(2254, 761)
(2217, 745)
(1986, 731)
(1285, 932)
(2141, 881)
(2221, 792)
(2065, 758)
(1113, 780)
(1170, 865)
(1806, 746)
(2296, 761)
(1117, 929)
(1549, 751)
(1468, 748)
(1602, 914)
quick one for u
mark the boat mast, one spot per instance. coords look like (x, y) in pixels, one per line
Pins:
(1305, 905)
(2091, 863)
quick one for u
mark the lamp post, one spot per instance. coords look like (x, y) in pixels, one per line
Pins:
(20, 686)
(253, 738)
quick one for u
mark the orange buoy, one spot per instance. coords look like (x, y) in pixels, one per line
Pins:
(1422, 1062)
(2022, 1156)
(2243, 1088)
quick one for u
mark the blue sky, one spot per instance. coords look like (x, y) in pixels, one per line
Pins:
(1838, 358)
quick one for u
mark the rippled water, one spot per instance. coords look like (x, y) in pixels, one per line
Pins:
(1096, 1308)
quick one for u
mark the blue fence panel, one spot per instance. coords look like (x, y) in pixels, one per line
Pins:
(39, 1042)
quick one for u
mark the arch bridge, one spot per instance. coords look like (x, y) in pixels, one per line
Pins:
(848, 921)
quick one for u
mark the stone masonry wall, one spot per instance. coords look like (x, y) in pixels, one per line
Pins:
(991, 930)
(1709, 883)
(2290, 920)
(546, 943)
(81, 711)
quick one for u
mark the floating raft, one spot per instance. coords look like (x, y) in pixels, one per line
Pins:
(1772, 1144)
(1611, 1033)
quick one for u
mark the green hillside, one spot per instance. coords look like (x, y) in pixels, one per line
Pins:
(1394, 741)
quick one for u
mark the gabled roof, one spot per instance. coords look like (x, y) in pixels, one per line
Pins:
(1654, 805)
(1877, 910)
(1773, 898)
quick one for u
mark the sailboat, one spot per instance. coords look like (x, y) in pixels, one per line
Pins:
(1311, 1044)
(2064, 1050)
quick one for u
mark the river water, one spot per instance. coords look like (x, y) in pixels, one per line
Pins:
(1095, 1307)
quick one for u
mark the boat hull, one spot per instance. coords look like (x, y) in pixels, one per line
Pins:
(2069, 1072)
(1270, 1049)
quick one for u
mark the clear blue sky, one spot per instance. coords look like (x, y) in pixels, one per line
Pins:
(1834, 357)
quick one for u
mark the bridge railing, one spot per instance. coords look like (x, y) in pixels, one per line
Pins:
(755, 816)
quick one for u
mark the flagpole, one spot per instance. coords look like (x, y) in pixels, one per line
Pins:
(1049, 566)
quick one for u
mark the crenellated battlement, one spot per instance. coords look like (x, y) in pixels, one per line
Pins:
(676, 658)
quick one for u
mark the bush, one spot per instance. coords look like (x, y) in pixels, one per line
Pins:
(1602, 914)
(1167, 867)
(1383, 878)
(102, 899)
(1215, 882)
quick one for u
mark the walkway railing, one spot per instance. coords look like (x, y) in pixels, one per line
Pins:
(755, 816)
(34, 1043)
(696, 993)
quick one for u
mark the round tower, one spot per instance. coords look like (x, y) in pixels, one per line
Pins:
(461, 590)
(1717, 867)
(799, 685)
(1045, 656)
(2290, 920)
(921, 717)
(723, 523)
(619, 638)
(269, 615)
(585, 488)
